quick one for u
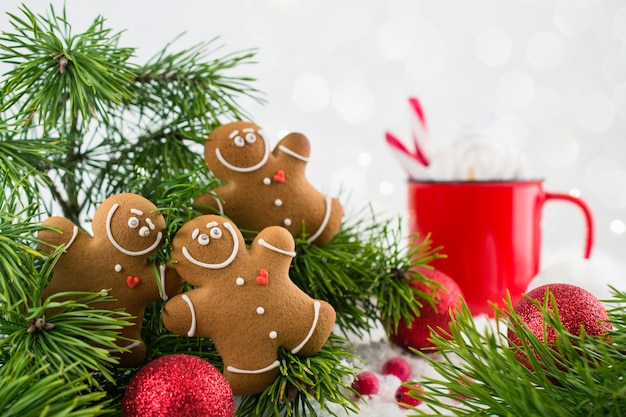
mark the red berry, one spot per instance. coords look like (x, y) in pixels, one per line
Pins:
(406, 396)
(398, 367)
(366, 383)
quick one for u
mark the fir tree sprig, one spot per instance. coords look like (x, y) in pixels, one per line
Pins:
(63, 78)
(34, 391)
(20, 276)
(306, 386)
(63, 333)
(397, 298)
(364, 273)
(482, 374)
(20, 163)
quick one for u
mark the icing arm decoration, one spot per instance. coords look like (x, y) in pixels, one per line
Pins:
(192, 328)
(292, 153)
(271, 247)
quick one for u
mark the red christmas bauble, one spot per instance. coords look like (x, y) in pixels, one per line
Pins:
(416, 335)
(178, 385)
(577, 308)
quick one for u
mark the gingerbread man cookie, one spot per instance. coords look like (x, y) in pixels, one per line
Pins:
(126, 232)
(266, 188)
(244, 300)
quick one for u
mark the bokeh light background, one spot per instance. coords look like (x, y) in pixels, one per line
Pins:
(545, 76)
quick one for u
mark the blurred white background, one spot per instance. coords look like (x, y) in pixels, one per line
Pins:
(545, 76)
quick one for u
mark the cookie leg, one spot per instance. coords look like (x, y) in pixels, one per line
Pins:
(251, 378)
(320, 326)
(135, 354)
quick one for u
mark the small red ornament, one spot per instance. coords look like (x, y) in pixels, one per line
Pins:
(178, 385)
(417, 334)
(408, 396)
(366, 383)
(577, 308)
(397, 366)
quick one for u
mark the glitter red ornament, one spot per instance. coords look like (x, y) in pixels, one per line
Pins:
(417, 334)
(178, 385)
(577, 309)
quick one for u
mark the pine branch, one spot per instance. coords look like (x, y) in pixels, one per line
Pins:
(305, 383)
(364, 273)
(480, 374)
(33, 391)
(66, 79)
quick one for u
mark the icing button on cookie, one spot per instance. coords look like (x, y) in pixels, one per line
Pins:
(260, 310)
(273, 335)
(240, 281)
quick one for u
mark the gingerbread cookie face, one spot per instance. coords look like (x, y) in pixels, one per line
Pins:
(244, 300)
(127, 231)
(266, 188)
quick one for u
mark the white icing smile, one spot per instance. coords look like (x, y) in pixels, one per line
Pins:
(132, 224)
(203, 237)
(241, 144)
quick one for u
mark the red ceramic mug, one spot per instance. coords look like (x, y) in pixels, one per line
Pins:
(490, 232)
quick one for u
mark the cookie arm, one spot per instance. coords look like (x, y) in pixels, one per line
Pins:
(208, 203)
(187, 314)
(276, 243)
(294, 147)
(58, 231)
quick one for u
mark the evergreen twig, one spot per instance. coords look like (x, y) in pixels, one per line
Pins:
(306, 385)
(33, 391)
(364, 273)
(481, 374)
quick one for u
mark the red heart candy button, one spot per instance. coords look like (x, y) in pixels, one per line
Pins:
(132, 281)
(279, 176)
(263, 277)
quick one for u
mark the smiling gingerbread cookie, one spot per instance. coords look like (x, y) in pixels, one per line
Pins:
(266, 188)
(127, 230)
(244, 300)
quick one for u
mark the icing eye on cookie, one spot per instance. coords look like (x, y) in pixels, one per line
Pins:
(133, 222)
(216, 232)
(250, 135)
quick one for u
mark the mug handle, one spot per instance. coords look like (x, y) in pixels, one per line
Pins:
(586, 211)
